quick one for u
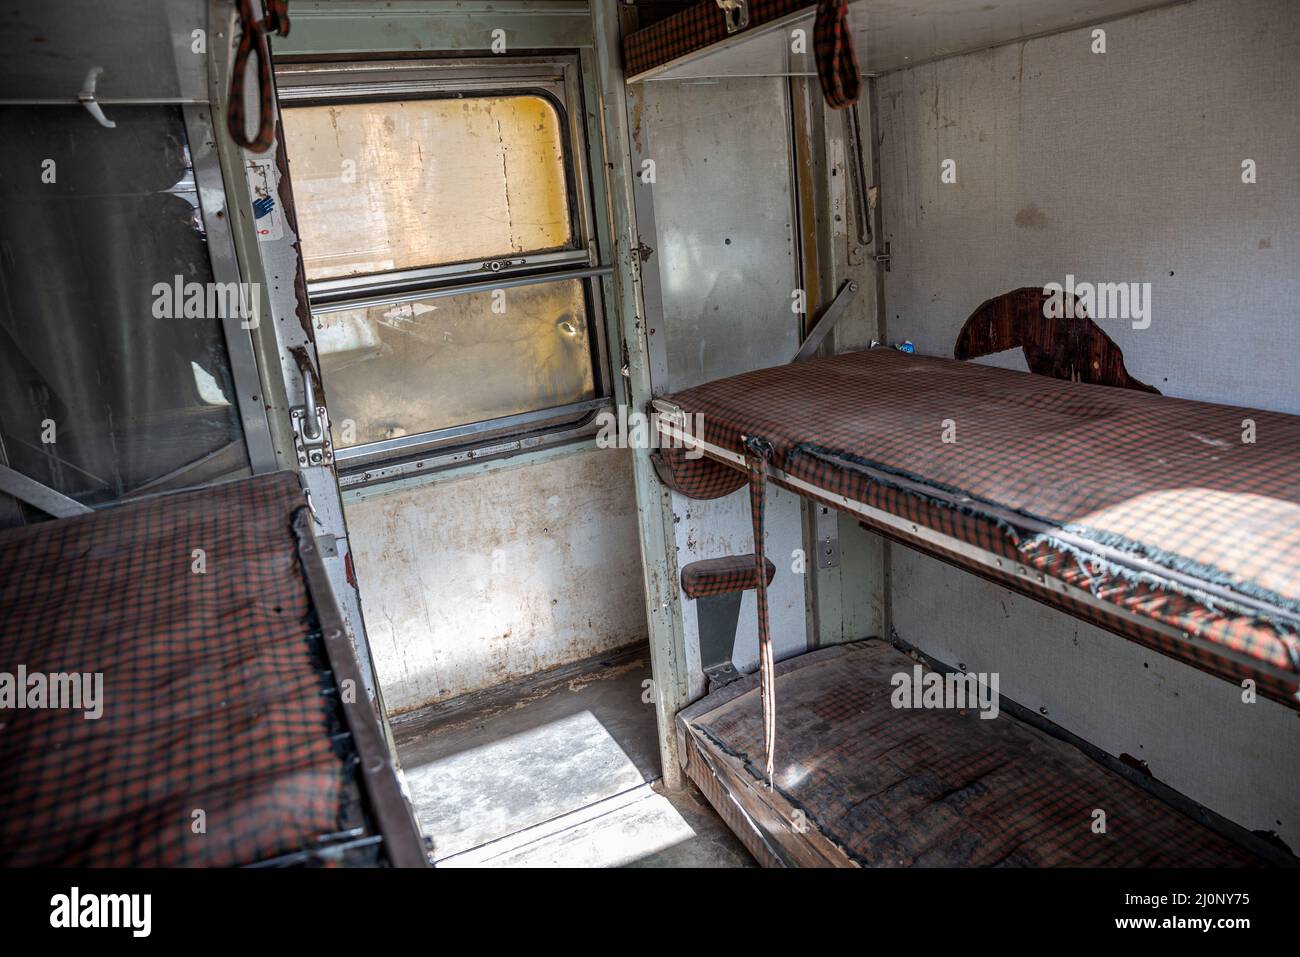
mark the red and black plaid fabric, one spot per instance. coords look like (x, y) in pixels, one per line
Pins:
(211, 695)
(699, 477)
(692, 30)
(1166, 480)
(837, 63)
(721, 576)
(861, 782)
(704, 24)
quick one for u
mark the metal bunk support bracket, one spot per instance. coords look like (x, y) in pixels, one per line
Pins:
(39, 496)
(834, 312)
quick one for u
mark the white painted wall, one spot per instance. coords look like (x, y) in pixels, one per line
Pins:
(1116, 167)
(468, 582)
(1124, 166)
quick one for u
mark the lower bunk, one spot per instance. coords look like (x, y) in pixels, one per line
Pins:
(178, 688)
(864, 777)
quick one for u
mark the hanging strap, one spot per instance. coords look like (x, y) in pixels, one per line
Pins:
(837, 63)
(253, 40)
(757, 453)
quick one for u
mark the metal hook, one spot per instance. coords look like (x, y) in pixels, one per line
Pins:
(87, 98)
(311, 509)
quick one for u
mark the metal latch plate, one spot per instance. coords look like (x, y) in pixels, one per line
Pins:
(320, 452)
(737, 12)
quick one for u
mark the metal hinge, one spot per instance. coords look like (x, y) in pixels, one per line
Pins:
(883, 258)
(737, 12)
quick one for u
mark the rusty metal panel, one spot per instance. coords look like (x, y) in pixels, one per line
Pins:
(473, 581)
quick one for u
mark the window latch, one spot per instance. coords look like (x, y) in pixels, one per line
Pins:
(311, 427)
(88, 99)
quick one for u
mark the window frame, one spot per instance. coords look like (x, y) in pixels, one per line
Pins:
(557, 79)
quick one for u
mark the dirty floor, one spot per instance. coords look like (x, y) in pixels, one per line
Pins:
(562, 772)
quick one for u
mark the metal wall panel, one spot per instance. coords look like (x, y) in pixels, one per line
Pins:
(726, 264)
(723, 207)
(1115, 167)
(479, 579)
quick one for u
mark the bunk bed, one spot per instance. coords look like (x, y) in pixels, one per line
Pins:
(1172, 523)
(232, 725)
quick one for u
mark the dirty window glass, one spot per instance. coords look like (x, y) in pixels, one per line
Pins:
(401, 369)
(108, 387)
(418, 183)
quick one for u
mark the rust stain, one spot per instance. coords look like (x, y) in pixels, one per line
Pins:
(638, 105)
(1136, 764)
(1075, 349)
(1031, 217)
(302, 307)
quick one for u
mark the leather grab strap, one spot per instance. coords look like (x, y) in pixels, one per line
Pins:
(837, 63)
(253, 40)
(757, 453)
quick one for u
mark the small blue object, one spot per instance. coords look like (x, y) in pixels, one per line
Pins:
(907, 346)
(262, 207)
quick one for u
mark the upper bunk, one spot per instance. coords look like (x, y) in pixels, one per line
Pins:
(733, 38)
(1171, 522)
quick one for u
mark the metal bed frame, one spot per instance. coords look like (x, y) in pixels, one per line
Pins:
(381, 828)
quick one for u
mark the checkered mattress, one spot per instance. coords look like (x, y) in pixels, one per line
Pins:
(213, 745)
(1181, 519)
(859, 782)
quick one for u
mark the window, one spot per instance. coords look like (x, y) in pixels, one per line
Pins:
(449, 251)
(402, 368)
(433, 182)
(109, 388)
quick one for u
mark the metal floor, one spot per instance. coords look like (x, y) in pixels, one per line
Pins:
(562, 772)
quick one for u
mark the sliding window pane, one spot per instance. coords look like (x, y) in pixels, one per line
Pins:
(398, 370)
(418, 183)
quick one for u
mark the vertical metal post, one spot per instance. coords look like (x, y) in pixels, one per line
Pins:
(654, 509)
